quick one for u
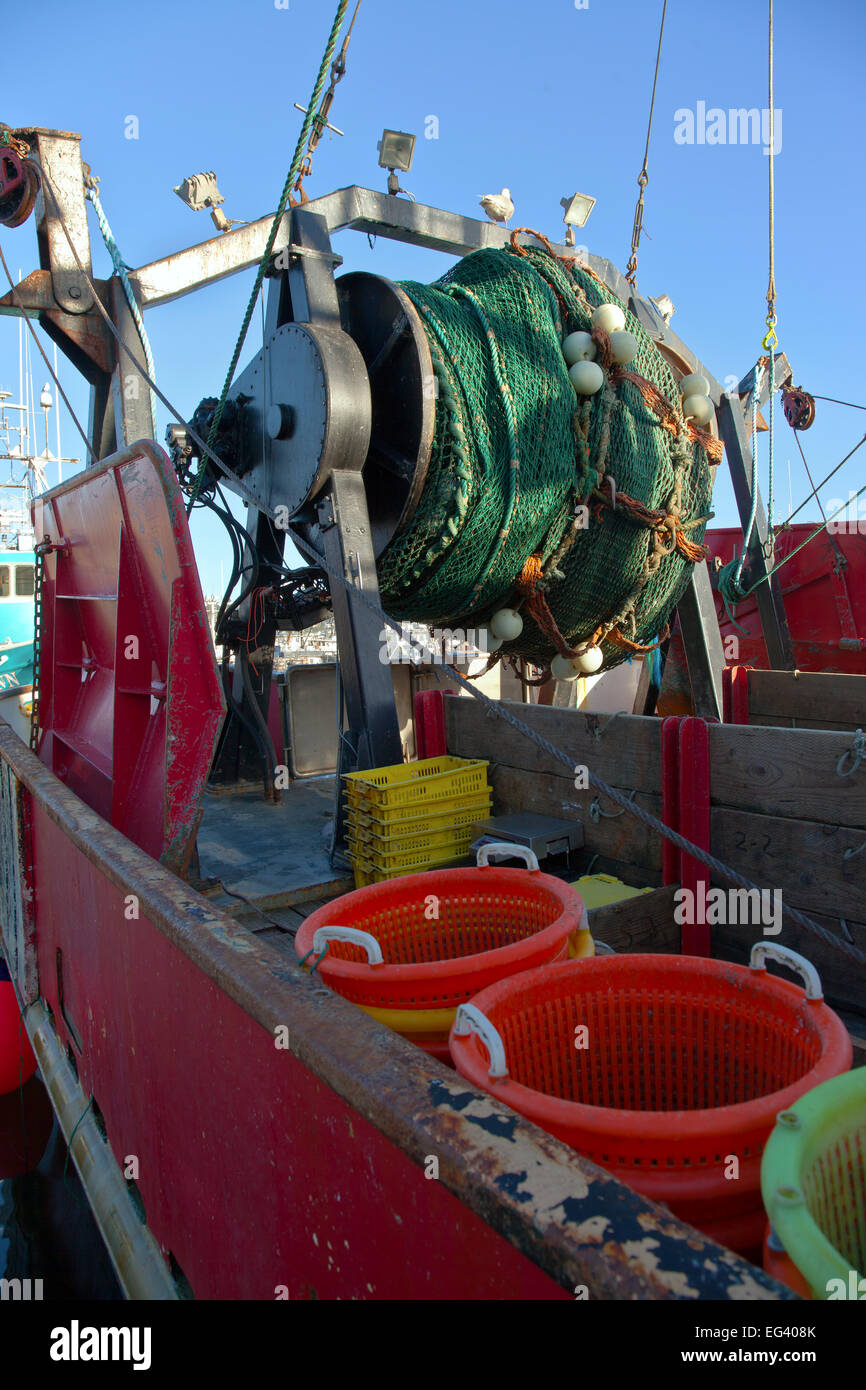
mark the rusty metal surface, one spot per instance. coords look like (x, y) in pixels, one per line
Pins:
(576, 1223)
(16, 886)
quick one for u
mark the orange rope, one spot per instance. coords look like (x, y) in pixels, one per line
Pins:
(658, 521)
(616, 637)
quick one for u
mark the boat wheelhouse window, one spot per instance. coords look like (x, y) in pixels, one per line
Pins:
(24, 584)
(4, 581)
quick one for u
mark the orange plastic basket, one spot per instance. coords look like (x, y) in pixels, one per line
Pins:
(491, 922)
(682, 1067)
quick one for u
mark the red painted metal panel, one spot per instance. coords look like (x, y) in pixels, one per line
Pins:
(429, 713)
(824, 589)
(670, 736)
(252, 1170)
(694, 781)
(130, 698)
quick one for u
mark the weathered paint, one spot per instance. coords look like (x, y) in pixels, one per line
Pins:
(308, 1164)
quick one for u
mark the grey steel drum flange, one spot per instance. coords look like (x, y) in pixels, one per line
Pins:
(306, 411)
(388, 330)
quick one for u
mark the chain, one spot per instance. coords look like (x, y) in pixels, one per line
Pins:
(37, 643)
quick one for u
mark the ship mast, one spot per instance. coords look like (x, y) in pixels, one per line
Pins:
(18, 447)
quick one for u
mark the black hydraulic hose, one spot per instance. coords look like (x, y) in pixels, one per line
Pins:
(266, 742)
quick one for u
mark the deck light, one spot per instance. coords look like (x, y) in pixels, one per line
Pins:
(396, 151)
(577, 209)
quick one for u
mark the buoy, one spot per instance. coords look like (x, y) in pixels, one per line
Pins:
(487, 642)
(586, 378)
(562, 669)
(609, 317)
(17, 1060)
(623, 345)
(506, 624)
(698, 408)
(589, 661)
(578, 347)
(694, 385)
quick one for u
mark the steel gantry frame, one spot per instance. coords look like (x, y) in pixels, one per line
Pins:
(121, 403)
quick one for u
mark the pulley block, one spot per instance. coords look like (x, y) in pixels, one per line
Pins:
(19, 185)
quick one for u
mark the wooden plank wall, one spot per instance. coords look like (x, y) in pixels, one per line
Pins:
(807, 699)
(780, 813)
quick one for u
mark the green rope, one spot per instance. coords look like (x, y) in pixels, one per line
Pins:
(310, 117)
(818, 529)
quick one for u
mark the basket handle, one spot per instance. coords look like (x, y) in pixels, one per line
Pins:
(323, 935)
(471, 1020)
(504, 849)
(769, 950)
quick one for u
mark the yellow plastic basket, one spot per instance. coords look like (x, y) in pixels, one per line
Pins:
(433, 782)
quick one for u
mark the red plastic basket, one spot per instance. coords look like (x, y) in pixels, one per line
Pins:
(491, 922)
(686, 1064)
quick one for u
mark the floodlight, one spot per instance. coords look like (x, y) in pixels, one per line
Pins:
(396, 150)
(577, 209)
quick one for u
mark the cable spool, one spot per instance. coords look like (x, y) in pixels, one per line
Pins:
(586, 513)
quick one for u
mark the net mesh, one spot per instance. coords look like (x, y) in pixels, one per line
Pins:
(515, 452)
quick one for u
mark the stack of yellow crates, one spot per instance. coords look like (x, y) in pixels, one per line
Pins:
(413, 816)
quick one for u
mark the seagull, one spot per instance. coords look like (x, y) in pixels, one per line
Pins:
(498, 206)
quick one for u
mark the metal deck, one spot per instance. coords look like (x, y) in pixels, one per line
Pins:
(270, 852)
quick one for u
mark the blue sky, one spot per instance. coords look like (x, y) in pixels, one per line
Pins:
(544, 98)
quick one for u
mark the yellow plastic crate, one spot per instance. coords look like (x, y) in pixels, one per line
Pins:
(432, 815)
(368, 872)
(363, 826)
(431, 782)
(395, 854)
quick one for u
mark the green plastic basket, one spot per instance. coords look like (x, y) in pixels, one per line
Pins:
(813, 1181)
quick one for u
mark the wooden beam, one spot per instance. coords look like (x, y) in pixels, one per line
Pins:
(804, 860)
(768, 595)
(805, 696)
(786, 772)
(702, 643)
(777, 772)
(645, 923)
(622, 748)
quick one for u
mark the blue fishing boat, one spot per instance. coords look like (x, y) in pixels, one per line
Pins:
(17, 572)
